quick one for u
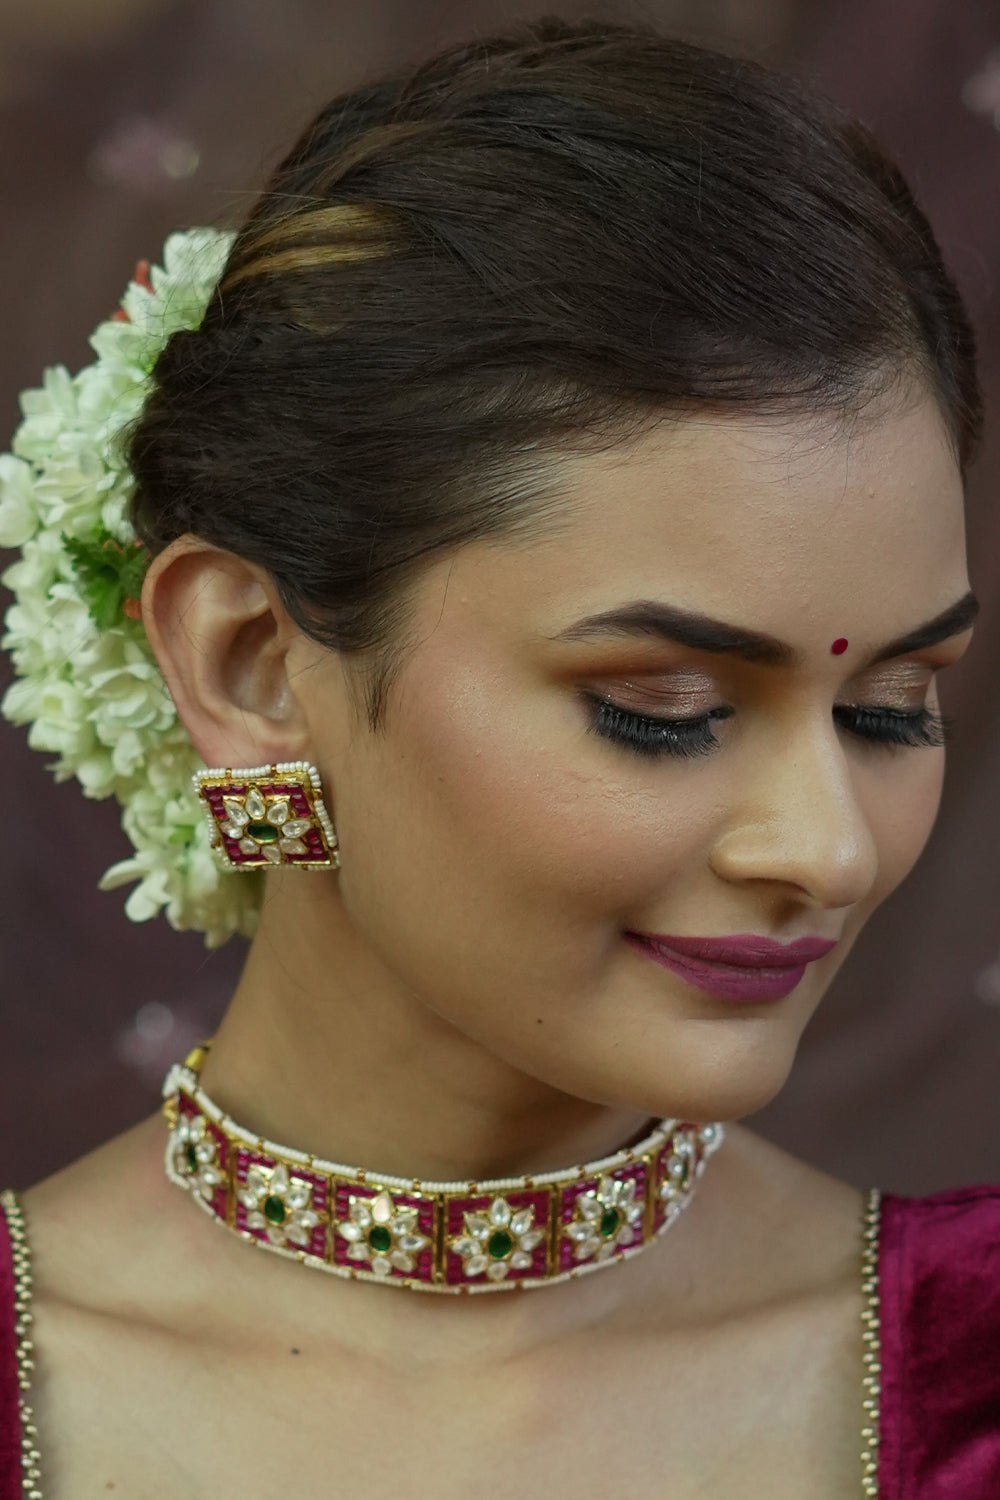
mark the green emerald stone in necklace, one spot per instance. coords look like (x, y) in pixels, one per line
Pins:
(610, 1220)
(263, 833)
(499, 1244)
(452, 1237)
(274, 1210)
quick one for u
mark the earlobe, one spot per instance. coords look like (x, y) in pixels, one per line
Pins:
(221, 637)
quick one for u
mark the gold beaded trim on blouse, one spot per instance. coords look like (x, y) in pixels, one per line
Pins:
(871, 1345)
(21, 1256)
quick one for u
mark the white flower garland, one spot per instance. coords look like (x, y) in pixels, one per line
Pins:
(88, 683)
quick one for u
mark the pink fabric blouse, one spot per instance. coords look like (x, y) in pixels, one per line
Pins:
(939, 1282)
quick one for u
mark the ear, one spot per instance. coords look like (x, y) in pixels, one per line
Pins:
(225, 644)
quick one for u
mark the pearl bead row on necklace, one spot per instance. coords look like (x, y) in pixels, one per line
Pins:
(505, 1234)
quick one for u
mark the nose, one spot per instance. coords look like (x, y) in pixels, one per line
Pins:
(800, 822)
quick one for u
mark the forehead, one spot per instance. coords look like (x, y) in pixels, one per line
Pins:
(756, 519)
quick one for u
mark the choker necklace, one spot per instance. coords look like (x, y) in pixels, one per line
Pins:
(500, 1234)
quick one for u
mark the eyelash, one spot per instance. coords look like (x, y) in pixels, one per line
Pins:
(646, 735)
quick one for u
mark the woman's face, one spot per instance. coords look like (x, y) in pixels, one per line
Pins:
(524, 810)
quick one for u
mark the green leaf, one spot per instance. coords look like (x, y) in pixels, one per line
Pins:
(109, 573)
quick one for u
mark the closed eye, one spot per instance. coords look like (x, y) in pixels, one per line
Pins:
(649, 735)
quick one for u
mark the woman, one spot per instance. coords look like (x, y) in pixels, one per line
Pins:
(557, 533)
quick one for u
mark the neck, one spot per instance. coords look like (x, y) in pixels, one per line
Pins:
(340, 1060)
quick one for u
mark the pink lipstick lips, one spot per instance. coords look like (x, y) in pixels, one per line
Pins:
(742, 966)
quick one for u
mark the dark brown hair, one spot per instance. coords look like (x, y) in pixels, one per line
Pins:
(534, 242)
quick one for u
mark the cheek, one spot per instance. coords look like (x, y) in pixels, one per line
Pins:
(506, 813)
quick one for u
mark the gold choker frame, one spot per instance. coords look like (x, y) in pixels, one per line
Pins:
(501, 1234)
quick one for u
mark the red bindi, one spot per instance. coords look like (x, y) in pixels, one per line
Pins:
(839, 646)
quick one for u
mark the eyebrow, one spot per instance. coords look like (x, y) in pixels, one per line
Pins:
(667, 622)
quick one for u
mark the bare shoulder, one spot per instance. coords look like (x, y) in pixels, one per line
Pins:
(110, 1236)
(771, 1228)
(93, 1224)
(792, 1188)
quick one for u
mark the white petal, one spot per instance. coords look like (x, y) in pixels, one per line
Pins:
(360, 1212)
(588, 1206)
(400, 1261)
(307, 1218)
(256, 1181)
(271, 854)
(292, 846)
(382, 1209)
(256, 1220)
(299, 1194)
(255, 805)
(358, 1251)
(414, 1242)
(349, 1231)
(500, 1212)
(381, 1266)
(579, 1231)
(627, 1191)
(466, 1246)
(234, 831)
(498, 1270)
(296, 827)
(476, 1266)
(522, 1220)
(279, 1179)
(586, 1247)
(236, 811)
(607, 1191)
(278, 811)
(298, 1232)
(478, 1226)
(247, 846)
(276, 1235)
(634, 1213)
(531, 1239)
(519, 1261)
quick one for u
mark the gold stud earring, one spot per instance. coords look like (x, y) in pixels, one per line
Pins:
(264, 816)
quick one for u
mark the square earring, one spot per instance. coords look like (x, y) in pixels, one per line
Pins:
(264, 816)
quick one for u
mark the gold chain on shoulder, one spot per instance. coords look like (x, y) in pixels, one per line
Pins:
(21, 1255)
(871, 1345)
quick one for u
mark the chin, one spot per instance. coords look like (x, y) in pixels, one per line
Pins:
(696, 1081)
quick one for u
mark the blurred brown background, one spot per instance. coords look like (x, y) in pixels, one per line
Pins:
(123, 119)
